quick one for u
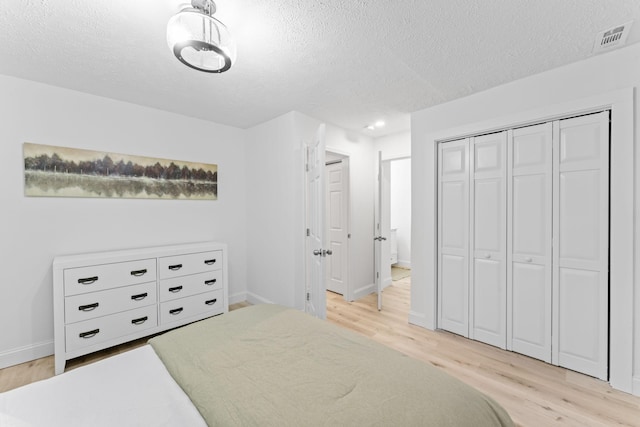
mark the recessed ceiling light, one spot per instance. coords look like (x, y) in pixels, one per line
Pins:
(371, 127)
(380, 124)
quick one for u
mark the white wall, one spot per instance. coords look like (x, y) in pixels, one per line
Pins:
(34, 230)
(395, 146)
(271, 199)
(586, 79)
(400, 183)
(275, 207)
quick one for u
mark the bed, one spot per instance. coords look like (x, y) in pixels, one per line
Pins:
(260, 365)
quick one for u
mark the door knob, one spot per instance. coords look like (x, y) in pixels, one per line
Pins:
(317, 252)
(328, 252)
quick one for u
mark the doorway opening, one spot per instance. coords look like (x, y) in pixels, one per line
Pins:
(393, 224)
(337, 221)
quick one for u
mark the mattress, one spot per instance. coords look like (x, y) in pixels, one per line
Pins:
(268, 365)
(129, 389)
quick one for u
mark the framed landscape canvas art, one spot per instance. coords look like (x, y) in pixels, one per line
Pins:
(51, 171)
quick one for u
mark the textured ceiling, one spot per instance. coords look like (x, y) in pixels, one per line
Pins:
(348, 62)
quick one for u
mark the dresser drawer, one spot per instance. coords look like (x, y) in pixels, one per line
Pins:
(180, 287)
(96, 304)
(107, 276)
(100, 329)
(182, 265)
(183, 308)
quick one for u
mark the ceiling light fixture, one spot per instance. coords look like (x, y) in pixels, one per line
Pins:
(376, 125)
(199, 40)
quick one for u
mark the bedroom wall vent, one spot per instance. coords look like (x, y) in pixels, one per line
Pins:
(611, 38)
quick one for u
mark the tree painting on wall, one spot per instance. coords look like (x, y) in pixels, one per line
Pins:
(70, 172)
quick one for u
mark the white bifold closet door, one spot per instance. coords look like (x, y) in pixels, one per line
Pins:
(581, 244)
(453, 236)
(488, 290)
(529, 240)
(523, 240)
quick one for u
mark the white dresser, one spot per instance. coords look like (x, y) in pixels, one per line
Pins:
(108, 298)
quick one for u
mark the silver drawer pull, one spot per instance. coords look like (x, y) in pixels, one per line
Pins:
(175, 289)
(88, 280)
(175, 267)
(139, 273)
(139, 297)
(210, 282)
(176, 311)
(89, 334)
(211, 301)
(210, 261)
(89, 307)
(140, 321)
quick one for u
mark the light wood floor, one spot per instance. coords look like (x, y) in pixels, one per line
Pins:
(534, 393)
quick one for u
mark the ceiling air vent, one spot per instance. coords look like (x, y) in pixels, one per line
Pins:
(611, 38)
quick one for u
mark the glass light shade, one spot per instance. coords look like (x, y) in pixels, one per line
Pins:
(200, 41)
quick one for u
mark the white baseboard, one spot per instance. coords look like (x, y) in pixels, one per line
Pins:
(26, 354)
(364, 291)
(403, 264)
(236, 298)
(419, 319)
(257, 299)
(636, 386)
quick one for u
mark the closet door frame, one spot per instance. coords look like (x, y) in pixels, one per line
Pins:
(624, 191)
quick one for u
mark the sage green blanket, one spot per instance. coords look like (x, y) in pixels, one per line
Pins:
(268, 365)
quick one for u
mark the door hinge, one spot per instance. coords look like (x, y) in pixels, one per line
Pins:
(308, 296)
(377, 275)
(308, 233)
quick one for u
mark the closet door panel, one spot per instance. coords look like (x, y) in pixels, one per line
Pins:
(531, 326)
(488, 215)
(453, 237)
(579, 319)
(579, 228)
(488, 318)
(581, 246)
(488, 239)
(529, 272)
(454, 203)
(454, 292)
(531, 204)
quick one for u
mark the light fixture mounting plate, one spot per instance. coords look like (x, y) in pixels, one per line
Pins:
(207, 6)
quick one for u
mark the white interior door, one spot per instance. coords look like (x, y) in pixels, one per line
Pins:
(581, 244)
(529, 231)
(378, 237)
(385, 224)
(337, 226)
(316, 301)
(453, 236)
(488, 289)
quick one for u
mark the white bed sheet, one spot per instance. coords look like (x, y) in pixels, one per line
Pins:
(129, 389)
